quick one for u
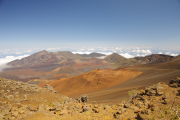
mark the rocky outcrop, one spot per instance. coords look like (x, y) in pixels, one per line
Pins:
(155, 102)
(155, 58)
(175, 83)
(123, 62)
(19, 100)
(82, 98)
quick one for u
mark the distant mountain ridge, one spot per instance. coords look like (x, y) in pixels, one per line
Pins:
(121, 61)
(52, 65)
(45, 65)
(44, 57)
(114, 58)
(155, 58)
(36, 58)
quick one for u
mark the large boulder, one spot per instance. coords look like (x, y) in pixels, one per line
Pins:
(175, 83)
(82, 98)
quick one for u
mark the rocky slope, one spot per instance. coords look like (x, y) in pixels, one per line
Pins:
(63, 64)
(43, 58)
(114, 58)
(23, 101)
(120, 61)
(52, 66)
(154, 58)
(46, 58)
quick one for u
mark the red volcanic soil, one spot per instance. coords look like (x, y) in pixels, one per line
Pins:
(56, 77)
(90, 62)
(82, 65)
(151, 74)
(24, 72)
(113, 85)
(92, 81)
(70, 67)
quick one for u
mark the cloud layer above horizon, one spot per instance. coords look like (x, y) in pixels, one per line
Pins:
(9, 55)
(128, 52)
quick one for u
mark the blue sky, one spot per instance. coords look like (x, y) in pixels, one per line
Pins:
(27, 26)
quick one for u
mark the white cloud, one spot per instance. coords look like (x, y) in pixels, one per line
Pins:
(51, 49)
(18, 53)
(2, 66)
(104, 49)
(29, 51)
(172, 54)
(10, 58)
(91, 49)
(146, 51)
(81, 52)
(4, 61)
(105, 53)
(127, 55)
(138, 55)
(167, 53)
(142, 51)
(159, 52)
(137, 51)
(102, 57)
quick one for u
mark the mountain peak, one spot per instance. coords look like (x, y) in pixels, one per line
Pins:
(114, 57)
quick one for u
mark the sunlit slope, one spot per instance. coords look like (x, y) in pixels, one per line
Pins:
(92, 81)
(151, 74)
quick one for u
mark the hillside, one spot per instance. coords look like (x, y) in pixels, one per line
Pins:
(107, 91)
(42, 65)
(92, 81)
(23, 101)
(114, 58)
(120, 61)
(151, 74)
(67, 55)
(63, 64)
(154, 58)
(43, 58)
(106, 84)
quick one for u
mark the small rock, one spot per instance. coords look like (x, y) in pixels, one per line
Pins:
(14, 114)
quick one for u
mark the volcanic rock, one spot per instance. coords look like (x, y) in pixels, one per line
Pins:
(158, 101)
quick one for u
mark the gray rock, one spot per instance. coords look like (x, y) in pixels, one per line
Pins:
(83, 98)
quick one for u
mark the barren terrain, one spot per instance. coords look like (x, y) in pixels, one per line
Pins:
(107, 86)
